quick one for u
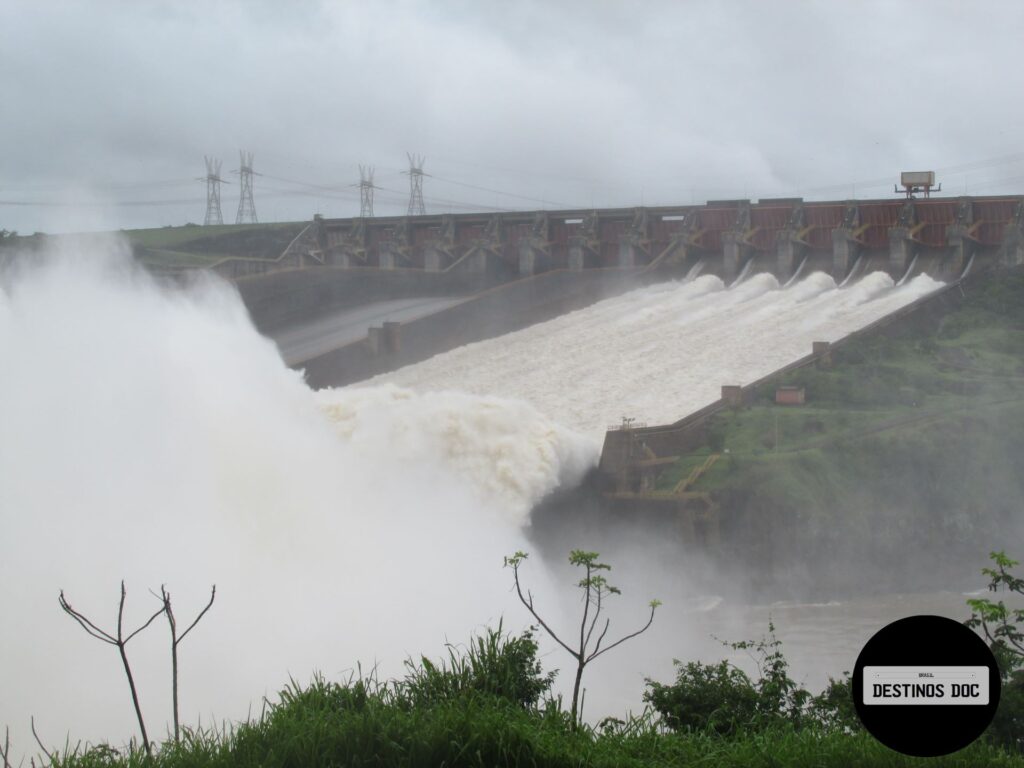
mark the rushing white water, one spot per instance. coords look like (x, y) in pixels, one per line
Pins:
(153, 435)
(658, 353)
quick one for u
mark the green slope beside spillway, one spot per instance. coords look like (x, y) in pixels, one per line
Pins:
(192, 245)
(906, 460)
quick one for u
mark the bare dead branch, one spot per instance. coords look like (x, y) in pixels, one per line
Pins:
(176, 639)
(213, 595)
(7, 747)
(148, 622)
(87, 625)
(49, 755)
(119, 641)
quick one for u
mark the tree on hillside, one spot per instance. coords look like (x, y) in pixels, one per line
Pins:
(596, 591)
(1002, 628)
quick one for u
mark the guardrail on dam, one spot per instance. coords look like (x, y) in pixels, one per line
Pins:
(937, 235)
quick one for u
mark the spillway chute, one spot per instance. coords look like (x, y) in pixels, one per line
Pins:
(743, 273)
(970, 263)
(908, 273)
(796, 275)
(853, 272)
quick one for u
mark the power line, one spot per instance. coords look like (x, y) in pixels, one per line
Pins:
(499, 192)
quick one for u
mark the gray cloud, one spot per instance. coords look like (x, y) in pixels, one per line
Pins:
(573, 103)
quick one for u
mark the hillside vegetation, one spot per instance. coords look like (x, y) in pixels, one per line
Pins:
(906, 457)
(200, 246)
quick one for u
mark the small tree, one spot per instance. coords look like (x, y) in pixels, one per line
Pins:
(165, 598)
(1002, 628)
(596, 590)
(998, 623)
(119, 640)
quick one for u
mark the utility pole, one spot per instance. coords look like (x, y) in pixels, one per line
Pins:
(415, 172)
(366, 192)
(246, 206)
(213, 182)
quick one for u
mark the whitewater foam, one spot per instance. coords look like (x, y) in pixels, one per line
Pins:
(660, 352)
(153, 436)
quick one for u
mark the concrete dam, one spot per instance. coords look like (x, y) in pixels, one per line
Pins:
(488, 275)
(933, 235)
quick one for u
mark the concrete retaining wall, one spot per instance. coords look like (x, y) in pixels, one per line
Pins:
(288, 297)
(491, 313)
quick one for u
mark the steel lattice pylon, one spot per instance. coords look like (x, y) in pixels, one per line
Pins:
(246, 205)
(416, 206)
(213, 182)
(366, 191)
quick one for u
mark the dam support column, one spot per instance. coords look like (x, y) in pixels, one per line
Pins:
(733, 252)
(475, 261)
(1013, 249)
(433, 259)
(527, 259)
(1013, 242)
(959, 247)
(627, 254)
(901, 252)
(585, 245)
(633, 246)
(535, 246)
(902, 246)
(788, 253)
(844, 253)
(577, 257)
(386, 259)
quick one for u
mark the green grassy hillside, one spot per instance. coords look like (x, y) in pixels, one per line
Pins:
(908, 456)
(200, 246)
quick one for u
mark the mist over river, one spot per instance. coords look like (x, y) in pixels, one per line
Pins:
(150, 434)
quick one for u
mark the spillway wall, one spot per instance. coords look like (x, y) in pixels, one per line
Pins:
(492, 312)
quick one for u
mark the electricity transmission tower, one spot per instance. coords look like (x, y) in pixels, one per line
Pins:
(246, 206)
(213, 182)
(416, 207)
(366, 191)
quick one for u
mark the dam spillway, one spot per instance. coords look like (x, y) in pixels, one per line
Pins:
(657, 353)
(773, 235)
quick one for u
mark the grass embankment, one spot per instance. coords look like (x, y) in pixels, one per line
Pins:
(201, 246)
(361, 724)
(910, 442)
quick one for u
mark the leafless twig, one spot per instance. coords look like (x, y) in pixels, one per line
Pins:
(119, 641)
(165, 597)
(48, 753)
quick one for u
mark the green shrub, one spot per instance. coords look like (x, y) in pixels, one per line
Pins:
(705, 697)
(495, 664)
(723, 700)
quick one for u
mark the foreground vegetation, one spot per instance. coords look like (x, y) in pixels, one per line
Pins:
(488, 705)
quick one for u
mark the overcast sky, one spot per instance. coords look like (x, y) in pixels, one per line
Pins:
(109, 107)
